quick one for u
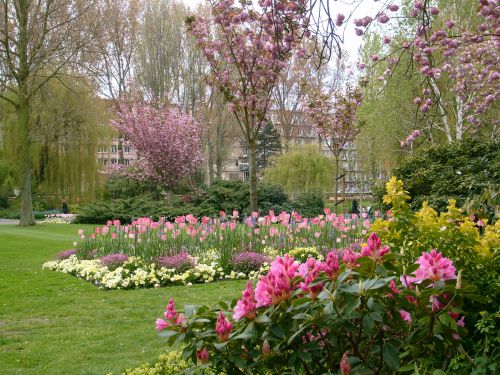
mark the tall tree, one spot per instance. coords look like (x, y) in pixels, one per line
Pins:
(268, 145)
(168, 140)
(39, 39)
(336, 122)
(222, 133)
(301, 169)
(255, 43)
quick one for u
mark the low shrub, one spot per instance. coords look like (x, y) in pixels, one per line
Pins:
(309, 203)
(66, 254)
(365, 312)
(180, 262)
(301, 254)
(113, 261)
(248, 261)
(460, 171)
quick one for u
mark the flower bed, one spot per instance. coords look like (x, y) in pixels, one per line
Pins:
(59, 219)
(149, 240)
(134, 272)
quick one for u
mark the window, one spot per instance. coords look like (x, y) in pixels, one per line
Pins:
(114, 161)
(114, 148)
(102, 148)
(126, 161)
(246, 175)
(126, 149)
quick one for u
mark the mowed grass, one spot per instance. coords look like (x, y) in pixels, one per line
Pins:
(52, 323)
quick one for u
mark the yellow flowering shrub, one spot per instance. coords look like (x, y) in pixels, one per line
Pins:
(302, 253)
(451, 232)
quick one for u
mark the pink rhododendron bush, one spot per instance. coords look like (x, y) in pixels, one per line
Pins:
(355, 312)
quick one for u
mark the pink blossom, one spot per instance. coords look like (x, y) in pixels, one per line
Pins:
(161, 325)
(374, 249)
(331, 265)
(405, 315)
(275, 287)
(246, 306)
(181, 319)
(223, 327)
(345, 366)
(170, 313)
(350, 259)
(435, 267)
(202, 355)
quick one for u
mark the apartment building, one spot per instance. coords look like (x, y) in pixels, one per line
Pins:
(108, 153)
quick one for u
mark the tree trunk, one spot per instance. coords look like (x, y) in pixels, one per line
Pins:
(335, 193)
(252, 170)
(210, 161)
(218, 150)
(23, 118)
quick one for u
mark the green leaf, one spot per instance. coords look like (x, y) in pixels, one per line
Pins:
(407, 368)
(262, 319)
(391, 356)
(189, 310)
(376, 316)
(220, 345)
(300, 316)
(277, 331)
(367, 323)
(438, 372)
(167, 333)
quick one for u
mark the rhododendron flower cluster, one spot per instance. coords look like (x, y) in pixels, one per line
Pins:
(246, 306)
(374, 247)
(435, 267)
(223, 327)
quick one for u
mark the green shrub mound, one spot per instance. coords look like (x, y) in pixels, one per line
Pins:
(468, 171)
(227, 196)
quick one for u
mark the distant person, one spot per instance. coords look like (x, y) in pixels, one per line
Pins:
(355, 207)
(65, 209)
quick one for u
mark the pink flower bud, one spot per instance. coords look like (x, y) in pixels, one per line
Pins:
(345, 366)
(202, 355)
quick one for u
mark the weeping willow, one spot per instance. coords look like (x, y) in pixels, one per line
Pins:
(302, 169)
(66, 121)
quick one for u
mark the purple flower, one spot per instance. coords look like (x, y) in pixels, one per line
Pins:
(180, 262)
(113, 261)
(248, 261)
(66, 254)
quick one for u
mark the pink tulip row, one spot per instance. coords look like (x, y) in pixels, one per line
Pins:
(148, 238)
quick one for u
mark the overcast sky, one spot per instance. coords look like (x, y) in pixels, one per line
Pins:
(352, 42)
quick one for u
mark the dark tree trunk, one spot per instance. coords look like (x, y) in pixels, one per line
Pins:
(252, 170)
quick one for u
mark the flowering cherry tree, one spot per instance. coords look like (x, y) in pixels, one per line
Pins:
(247, 47)
(335, 120)
(168, 141)
(453, 49)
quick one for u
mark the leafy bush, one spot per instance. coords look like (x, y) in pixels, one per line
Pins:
(128, 209)
(116, 187)
(460, 171)
(309, 203)
(365, 312)
(451, 231)
(478, 257)
(301, 254)
(170, 363)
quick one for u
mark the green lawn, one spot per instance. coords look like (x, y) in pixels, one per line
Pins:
(52, 323)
